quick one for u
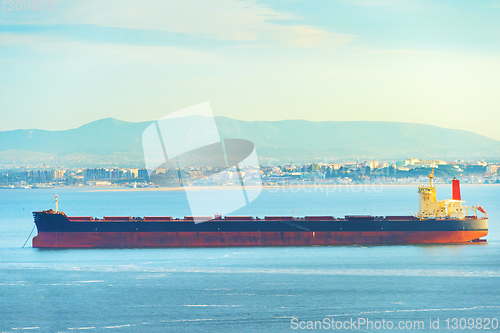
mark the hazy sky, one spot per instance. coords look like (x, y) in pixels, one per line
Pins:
(432, 62)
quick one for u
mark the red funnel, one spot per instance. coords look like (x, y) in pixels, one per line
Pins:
(456, 189)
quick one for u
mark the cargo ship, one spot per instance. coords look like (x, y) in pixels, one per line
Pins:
(445, 221)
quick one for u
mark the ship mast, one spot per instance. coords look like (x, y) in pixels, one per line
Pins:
(56, 201)
(427, 199)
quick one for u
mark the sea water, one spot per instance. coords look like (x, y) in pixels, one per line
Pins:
(273, 289)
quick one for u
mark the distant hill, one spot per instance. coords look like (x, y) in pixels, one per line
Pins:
(110, 142)
(106, 142)
(358, 139)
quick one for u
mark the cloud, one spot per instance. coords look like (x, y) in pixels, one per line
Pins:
(116, 51)
(306, 37)
(406, 5)
(217, 19)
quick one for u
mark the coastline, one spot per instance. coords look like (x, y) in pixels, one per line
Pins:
(264, 187)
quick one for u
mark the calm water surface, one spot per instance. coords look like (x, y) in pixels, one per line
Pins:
(241, 289)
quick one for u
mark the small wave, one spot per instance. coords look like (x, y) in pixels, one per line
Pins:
(218, 289)
(139, 305)
(416, 310)
(153, 275)
(117, 326)
(57, 284)
(81, 328)
(259, 270)
(26, 328)
(211, 305)
(182, 320)
(357, 272)
(12, 284)
(236, 294)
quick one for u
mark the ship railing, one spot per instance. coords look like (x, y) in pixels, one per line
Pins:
(474, 217)
(438, 218)
(475, 209)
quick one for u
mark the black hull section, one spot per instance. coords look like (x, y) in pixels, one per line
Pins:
(47, 222)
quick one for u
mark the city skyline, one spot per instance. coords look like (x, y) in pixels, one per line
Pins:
(410, 170)
(426, 62)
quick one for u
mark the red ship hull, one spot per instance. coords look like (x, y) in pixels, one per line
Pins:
(221, 239)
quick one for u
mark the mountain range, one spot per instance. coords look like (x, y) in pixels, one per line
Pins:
(112, 142)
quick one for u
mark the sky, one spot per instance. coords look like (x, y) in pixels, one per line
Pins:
(417, 61)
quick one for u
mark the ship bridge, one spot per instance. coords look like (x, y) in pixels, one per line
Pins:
(430, 207)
